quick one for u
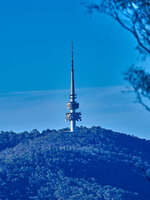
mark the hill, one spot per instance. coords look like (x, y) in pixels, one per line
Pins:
(92, 164)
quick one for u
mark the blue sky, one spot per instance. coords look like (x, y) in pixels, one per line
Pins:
(105, 106)
(35, 46)
(35, 49)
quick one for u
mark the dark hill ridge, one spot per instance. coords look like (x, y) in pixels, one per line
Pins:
(92, 164)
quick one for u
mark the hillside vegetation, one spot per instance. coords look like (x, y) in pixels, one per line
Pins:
(91, 164)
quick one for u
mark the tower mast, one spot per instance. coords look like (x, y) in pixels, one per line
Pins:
(73, 116)
(72, 77)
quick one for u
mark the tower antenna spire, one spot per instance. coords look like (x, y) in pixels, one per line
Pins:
(73, 116)
(72, 55)
(72, 77)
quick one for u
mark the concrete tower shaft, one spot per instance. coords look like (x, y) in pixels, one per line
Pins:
(72, 105)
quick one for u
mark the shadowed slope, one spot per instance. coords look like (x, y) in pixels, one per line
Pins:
(90, 164)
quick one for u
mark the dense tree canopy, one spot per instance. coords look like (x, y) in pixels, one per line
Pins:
(93, 163)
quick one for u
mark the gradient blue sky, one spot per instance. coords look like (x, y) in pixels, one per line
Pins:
(35, 43)
(35, 51)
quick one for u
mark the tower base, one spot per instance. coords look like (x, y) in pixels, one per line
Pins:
(72, 126)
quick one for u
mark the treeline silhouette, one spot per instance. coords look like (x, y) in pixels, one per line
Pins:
(93, 163)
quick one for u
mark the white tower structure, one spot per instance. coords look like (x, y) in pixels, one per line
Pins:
(73, 116)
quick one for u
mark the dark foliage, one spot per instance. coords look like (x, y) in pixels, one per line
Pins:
(11, 139)
(134, 16)
(139, 80)
(94, 164)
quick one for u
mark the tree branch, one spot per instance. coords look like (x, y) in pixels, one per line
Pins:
(141, 101)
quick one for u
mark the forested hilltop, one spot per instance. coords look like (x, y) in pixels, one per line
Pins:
(91, 164)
